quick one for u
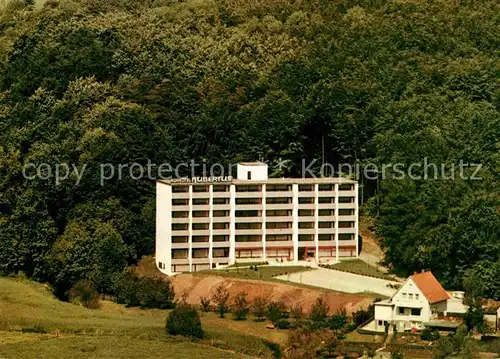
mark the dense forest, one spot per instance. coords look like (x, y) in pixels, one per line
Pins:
(90, 82)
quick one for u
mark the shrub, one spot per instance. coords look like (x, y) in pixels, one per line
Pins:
(296, 312)
(429, 334)
(125, 286)
(240, 306)
(259, 308)
(337, 321)
(132, 290)
(221, 298)
(84, 293)
(319, 311)
(205, 304)
(155, 293)
(275, 311)
(283, 324)
(184, 320)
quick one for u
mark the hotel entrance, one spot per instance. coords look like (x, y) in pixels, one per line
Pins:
(305, 253)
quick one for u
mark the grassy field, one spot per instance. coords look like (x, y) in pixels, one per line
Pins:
(358, 266)
(34, 324)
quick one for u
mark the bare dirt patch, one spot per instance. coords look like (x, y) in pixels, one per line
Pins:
(193, 287)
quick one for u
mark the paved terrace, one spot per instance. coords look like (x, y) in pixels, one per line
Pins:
(341, 281)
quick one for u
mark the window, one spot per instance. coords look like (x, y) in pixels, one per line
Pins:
(380, 322)
(180, 202)
(248, 200)
(220, 188)
(410, 296)
(401, 310)
(306, 237)
(278, 213)
(180, 189)
(220, 238)
(179, 226)
(326, 225)
(306, 224)
(200, 188)
(180, 239)
(325, 187)
(346, 187)
(415, 311)
(249, 175)
(179, 253)
(325, 237)
(220, 252)
(326, 212)
(200, 239)
(278, 237)
(346, 224)
(248, 188)
(346, 212)
(326, 200)
(220, 225)
(306, 187)
(278, 200)
(179, 214)
(198, 226)
(417, 296)
(200, 214)
(278, 187)
(255, 225)
(200, 201)
(160, 265)
(346, 199)
(346, 236)
(220, 200)
(306, 200)
(200, 253)
(405, 296)
(247, 213)
(220, 213)
(278, 225)
(306, 212)
(248, 238)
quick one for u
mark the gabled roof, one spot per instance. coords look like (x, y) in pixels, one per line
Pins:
(430, 287)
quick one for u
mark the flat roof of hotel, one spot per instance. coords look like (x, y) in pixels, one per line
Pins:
(268, 181)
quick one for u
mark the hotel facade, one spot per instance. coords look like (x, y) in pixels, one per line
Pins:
(207, 222)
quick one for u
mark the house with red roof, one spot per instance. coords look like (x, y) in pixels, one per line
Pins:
(420, 302)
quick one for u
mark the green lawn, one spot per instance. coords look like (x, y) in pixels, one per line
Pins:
(358, 266)
(35, 324)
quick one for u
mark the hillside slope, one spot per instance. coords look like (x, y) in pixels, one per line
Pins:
(33, 322)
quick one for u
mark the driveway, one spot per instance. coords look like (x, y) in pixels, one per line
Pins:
(341, 281)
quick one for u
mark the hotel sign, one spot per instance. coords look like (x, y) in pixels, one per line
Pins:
(202, 179)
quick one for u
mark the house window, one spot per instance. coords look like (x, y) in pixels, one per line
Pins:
(404, 295)
(410, 296)
(417, 296)
(380, 322)
(401, 310)
(415, 311)
(249, 175)
(161, 265)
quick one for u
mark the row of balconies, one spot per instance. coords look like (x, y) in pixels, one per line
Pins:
(270, 187)
(260, 219)
(257, 211)
(271, 244)
(256, 231)
(261, 194)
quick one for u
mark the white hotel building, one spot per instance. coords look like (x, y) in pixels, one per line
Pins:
(205, 223)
